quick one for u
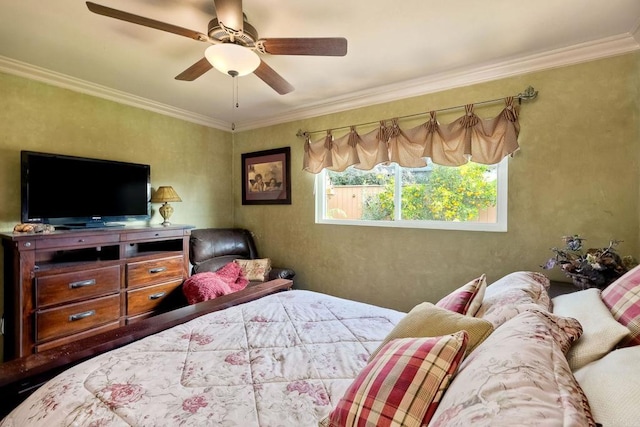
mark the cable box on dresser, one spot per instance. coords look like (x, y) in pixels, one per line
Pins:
(64, 286)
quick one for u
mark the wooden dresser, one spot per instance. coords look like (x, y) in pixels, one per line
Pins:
(66, 285)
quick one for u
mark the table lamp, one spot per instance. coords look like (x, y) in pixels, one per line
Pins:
(165, 194)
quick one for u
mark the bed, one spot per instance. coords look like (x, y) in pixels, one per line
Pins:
(278, 360)
(490, 355)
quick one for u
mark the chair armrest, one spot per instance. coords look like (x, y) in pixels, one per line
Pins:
(281, 273)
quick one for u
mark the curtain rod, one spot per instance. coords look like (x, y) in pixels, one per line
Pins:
(527, 95)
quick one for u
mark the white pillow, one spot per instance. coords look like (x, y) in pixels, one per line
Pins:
(601, 332)
(612, 386)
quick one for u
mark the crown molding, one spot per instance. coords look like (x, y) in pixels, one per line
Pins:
(33, 72)
(584, 52)
(635, 33)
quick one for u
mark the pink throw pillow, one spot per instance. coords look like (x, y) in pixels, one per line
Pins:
(233, 275)
(209, 285)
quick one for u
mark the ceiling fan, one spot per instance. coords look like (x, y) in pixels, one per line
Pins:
(235, 44)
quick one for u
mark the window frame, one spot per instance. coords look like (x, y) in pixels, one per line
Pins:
(500, 225)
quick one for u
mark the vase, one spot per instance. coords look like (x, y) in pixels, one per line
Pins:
(601, 281)
(582, 282)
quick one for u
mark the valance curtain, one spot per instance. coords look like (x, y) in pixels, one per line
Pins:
(485, 141)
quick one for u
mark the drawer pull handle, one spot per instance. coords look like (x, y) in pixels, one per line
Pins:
(82, 283)
(157, 295)
(82, 315)
(157, 270)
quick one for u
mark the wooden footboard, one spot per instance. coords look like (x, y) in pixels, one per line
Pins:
(21, 377)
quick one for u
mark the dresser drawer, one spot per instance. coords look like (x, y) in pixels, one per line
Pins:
(153, 234)
(149, 298)
(67, 287)
(77, 241)
(150, 272)
(72, 318)
(75, 337)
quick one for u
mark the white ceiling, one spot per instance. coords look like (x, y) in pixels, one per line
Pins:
(395, 49)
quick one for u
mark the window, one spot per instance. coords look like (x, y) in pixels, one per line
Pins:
(469, 197)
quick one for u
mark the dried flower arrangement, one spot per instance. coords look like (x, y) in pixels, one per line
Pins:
(595, 268)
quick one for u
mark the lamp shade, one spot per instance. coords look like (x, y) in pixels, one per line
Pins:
(230, 58)
(165, 194)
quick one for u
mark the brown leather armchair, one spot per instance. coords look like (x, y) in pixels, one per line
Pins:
(212, 248)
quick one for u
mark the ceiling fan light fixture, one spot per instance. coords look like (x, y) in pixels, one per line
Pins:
(232, 59)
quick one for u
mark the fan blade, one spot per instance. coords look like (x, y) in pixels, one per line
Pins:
(326, 46)
(195, 71)
(145, 22)
(229, 14)
(273, 79)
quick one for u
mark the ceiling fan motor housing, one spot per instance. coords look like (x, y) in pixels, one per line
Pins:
(247, 37)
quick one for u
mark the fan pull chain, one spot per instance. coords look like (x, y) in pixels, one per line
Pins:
(234, 102)
(235, 90)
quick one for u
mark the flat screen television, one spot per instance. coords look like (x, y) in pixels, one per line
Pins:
(80, 192)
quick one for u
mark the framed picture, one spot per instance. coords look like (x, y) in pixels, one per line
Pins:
(266, 177)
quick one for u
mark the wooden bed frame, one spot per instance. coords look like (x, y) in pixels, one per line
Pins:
(21, 377)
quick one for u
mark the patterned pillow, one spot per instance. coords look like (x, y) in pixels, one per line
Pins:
(427, 320)
(402, 385)
(601, 332)
(519, 376)
(623, 299)
(466, 299)
(513, 294)
(612, 385)
(255, 270)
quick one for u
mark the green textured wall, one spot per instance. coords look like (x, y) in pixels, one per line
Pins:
(194, 159)
(577, 172)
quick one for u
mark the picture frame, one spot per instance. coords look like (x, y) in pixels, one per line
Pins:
(266, 177)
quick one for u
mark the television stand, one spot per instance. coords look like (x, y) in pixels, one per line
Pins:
(67, 285)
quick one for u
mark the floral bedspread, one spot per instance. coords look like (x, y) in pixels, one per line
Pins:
(282, 360)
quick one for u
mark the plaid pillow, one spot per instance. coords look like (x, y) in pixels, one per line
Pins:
(402, 385)
(466, 299)
(623, 299)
